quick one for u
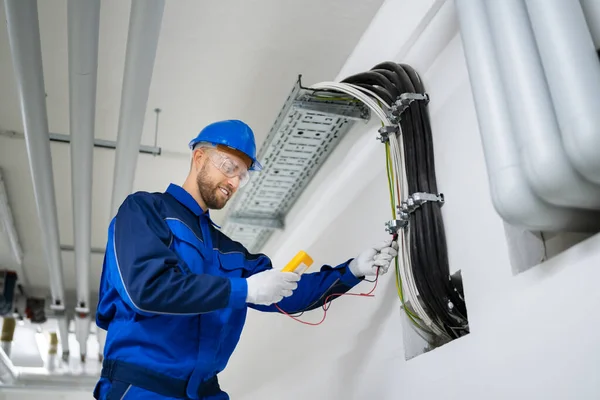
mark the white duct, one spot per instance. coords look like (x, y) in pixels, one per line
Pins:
(573, 73)
(591, 9)
(534, 122)
(24, 39)
(511, 194)
(144, 29)
(84, 30)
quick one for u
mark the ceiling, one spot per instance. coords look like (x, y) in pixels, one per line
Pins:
(215, 60)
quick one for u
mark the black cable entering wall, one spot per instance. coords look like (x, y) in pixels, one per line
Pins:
(439, 295)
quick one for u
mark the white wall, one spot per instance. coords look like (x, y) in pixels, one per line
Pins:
(533, 335)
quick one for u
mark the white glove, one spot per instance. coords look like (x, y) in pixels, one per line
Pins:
(368, 261)
(271, 286)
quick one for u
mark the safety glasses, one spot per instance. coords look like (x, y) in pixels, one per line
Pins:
(229, 167)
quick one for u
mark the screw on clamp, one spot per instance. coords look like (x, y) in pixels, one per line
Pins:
(393, 226)
(403, 102)
(385, 132)
(410, 97)
(415, 201)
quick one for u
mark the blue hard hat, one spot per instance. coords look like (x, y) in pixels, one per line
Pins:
(231, 133)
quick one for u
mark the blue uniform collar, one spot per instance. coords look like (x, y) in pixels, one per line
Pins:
(182, 196)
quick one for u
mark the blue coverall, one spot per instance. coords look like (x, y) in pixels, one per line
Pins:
(173, 298)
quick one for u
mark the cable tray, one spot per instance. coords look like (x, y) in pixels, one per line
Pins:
(306, 131)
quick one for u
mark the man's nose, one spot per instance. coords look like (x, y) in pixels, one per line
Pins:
(234, 182)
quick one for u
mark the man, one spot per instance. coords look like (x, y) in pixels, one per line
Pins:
(175, 290)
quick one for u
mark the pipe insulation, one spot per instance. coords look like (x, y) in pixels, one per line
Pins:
(52, 351)
(573, 73)
(24, 39)
(142, 42)
(535, 127)
(84, 31)
(591, 10)
(511, 194)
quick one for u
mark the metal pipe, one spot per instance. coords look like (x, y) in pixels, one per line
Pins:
(24, 39)
(84, 30)
(8, 332)
(545, 162)
(142, 42)
(63, 332)
(511, 194)
(93, 250)
(591, 9)
(100, 143)
(573, 74)
(8, 223)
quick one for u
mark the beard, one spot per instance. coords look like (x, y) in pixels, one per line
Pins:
(210, 191)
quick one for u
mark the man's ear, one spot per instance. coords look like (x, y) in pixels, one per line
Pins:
(197, 156)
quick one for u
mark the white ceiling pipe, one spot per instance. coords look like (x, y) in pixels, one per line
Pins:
(144, 29)
(84, 30)
(24, 39)
(511, 195)
(63, 332)
(573, 74)
(591, 9)
(142, 41)
(534, 122)
(8, 223)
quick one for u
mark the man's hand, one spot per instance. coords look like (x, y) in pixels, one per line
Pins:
(271, 286)
(379, 256)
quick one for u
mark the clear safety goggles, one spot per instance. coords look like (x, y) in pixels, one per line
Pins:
(229, 167)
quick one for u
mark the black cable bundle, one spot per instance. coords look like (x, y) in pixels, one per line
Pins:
(429, 257)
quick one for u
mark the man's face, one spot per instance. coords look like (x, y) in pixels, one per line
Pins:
(215, 186)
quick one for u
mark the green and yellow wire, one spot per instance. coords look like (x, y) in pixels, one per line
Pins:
(390, 175)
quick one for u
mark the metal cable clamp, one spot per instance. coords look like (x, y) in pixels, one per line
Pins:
(408, 206)
(385, 131)
(403, 102)
(393, 226)
(415, 201)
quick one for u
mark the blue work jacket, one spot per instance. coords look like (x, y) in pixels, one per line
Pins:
(173, 290)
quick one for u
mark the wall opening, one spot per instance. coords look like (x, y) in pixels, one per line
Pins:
(529, 249)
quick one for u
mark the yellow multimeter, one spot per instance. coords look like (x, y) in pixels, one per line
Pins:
(300, 263)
